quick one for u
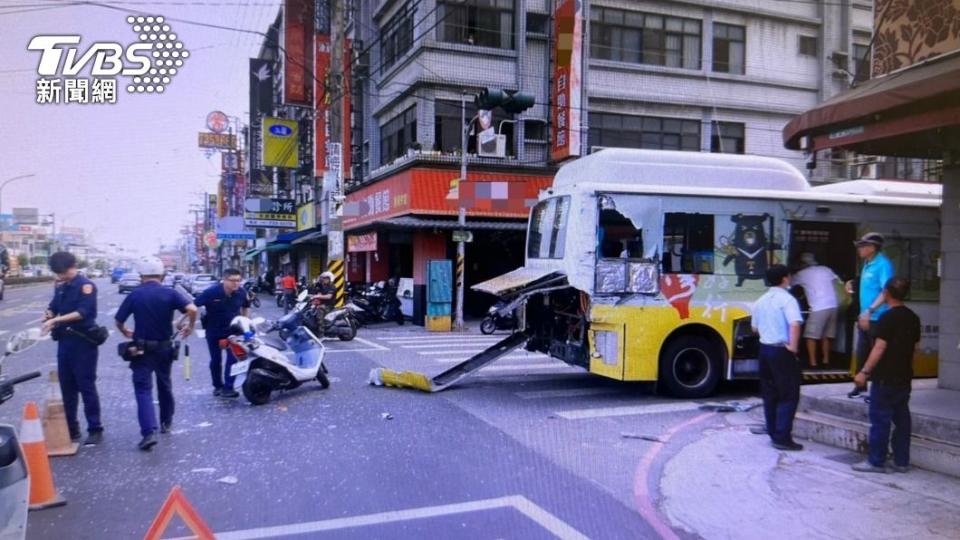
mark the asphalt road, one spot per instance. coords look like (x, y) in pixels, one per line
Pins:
(528, 448)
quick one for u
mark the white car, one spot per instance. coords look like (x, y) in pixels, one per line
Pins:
(201, 283)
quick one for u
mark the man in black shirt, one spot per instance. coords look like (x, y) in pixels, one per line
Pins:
(890, 368)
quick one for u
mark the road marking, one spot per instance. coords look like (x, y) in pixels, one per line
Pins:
(656, 408)
(469, 342)
(331, 351)
(201, 333)
(559, 367)
(538, 515)
(34, 321)
(2, 332)
(513, 356)
(569, 392)
(446, 337)
(113, 311)
(470, 352)
(376, 346)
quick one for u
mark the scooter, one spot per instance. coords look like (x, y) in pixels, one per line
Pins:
(266, 363)
(377, 303)
(251, 289)
(340, 323)
(498, 319)
(14, 475)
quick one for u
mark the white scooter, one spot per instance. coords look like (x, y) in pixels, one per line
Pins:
(267, 362)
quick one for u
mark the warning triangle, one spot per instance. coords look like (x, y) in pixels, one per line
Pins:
(177, 504)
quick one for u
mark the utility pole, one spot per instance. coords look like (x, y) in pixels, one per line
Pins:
(336, 263)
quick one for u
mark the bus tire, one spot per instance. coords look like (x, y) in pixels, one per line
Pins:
(690, 366)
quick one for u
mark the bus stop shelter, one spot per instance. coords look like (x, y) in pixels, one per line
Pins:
(911, 112)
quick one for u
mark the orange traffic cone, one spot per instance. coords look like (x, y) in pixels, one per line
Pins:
(42, 493)
(56, 434)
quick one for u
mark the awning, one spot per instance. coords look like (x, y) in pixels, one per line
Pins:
(901, 114)
(289, 237)
(251, 254)
(277, 247)
(313, 238)
(519, 280)
(412, 222)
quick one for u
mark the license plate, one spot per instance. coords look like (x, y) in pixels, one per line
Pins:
(239, 368)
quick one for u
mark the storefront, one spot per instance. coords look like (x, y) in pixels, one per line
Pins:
(395, 226)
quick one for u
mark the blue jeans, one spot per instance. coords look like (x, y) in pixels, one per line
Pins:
(780, 388)
(144, 369)
(77, 369)
(220, 374)
(889, 404)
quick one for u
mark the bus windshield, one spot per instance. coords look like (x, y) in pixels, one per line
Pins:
(548, 228)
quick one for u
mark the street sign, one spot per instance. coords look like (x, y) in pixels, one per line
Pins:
(210, 239)
(264, 212)
(334, 244)
(222, 141)
(462, 236)
(217, 122)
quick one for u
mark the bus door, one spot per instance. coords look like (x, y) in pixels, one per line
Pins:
(831, 245)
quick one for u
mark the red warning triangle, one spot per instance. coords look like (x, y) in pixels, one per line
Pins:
(177, 504)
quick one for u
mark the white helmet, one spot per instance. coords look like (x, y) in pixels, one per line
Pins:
(150, 266)
(328, 275)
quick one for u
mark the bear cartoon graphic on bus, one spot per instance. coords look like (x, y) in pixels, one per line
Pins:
(749, 247)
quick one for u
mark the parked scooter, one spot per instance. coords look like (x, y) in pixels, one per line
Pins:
(266, 363)
(498, 318)
(340, 323)
(14, 475)
(378, 303)
(250, 287)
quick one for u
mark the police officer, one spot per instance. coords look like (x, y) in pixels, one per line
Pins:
(70, 316)
(223, 302)
(153, 307)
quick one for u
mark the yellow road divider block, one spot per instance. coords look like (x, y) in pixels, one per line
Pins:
(398, 379)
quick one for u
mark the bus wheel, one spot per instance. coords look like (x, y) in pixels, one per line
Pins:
(690, 367)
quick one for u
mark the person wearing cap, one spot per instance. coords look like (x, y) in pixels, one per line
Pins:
(877, 270)
(818, 285)
(71, 314)
(153, 307)
(326, 292)
(776, 317)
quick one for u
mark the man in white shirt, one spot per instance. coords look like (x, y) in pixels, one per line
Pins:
(818, 284)
(776, 317)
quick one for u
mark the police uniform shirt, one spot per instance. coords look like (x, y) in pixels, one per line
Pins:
(80, 295)
(221, 309)
(772, 315)
(152, 307)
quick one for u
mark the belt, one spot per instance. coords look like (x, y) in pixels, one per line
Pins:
(775, 346)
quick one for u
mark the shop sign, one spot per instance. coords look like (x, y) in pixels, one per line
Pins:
(358, 243)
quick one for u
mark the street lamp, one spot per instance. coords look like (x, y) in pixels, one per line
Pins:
(7, 181)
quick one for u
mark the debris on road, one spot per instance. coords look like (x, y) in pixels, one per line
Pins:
(730, 406)
(229, 479)
(209, 470)
(205, 424)
(386, 416)
(640, 436)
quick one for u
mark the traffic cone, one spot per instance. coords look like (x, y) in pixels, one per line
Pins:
(56, 434)
(42, 493)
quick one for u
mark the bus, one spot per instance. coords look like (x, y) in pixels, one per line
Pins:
(642, 265)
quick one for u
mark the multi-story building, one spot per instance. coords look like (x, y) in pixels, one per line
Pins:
(709, 76)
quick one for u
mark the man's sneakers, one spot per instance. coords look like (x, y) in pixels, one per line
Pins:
(866, 466)
(217, 392)
(75, 436)
(790, 446)
(165, 427)
(900, 468)
(229, 393)
(855, 392)
(94, 438)
(148, 442)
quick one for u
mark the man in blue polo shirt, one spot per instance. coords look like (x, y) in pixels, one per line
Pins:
(153, 307)
(223, 303)
(877, 270)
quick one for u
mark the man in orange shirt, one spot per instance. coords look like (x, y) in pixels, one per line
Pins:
(289, 285)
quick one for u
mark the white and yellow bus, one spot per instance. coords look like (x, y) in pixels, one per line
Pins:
(642, 265)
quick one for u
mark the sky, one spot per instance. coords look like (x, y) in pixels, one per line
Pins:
(126, 172)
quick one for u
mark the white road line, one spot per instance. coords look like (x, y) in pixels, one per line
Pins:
(34, 321)
(331, 351)
(200, 333)
(569, 392)
(656, 408)
(470, 352)
(376, 346)
(2, 332)
(514, 356)
(469, 342)
(538, 515)
(558, 366)
(444, 337)
(113, 311)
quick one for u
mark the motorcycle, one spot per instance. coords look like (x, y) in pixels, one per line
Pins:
(251, 289)
(340, 323)
(498, 319)
(266, 363)
(15, 477)
(377, 303)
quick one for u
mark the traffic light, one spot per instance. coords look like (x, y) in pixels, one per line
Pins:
(511, 101)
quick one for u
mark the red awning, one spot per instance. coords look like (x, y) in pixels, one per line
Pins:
(890, 113)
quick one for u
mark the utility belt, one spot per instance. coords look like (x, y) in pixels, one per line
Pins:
(95, 335)
(137, 348)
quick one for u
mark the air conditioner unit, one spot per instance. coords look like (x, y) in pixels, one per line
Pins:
(492, 145)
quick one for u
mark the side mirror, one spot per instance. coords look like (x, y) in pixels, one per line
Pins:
(22, 341)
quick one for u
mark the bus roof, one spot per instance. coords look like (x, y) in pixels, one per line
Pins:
(889, 188)
(681, 169)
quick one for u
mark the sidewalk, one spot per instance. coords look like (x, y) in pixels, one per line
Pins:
(732, 484)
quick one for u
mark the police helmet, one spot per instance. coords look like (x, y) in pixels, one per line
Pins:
(150, 266)
(241, 326)
(328, 275)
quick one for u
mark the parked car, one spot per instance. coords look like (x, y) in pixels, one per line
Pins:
(129, 282)
(201, 282)
(95, 273)
(117, 273)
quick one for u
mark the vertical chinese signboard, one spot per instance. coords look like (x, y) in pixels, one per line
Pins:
(298, 19)
(566, 85)
(322, 97)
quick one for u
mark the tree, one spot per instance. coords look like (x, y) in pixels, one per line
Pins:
(23, 260)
